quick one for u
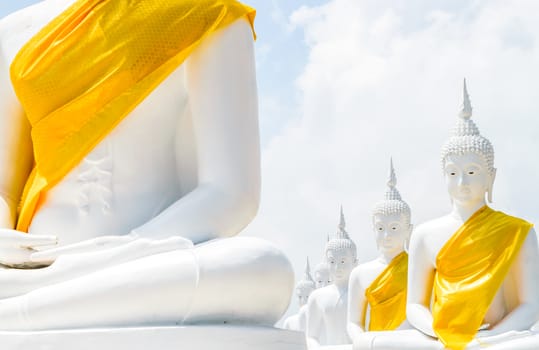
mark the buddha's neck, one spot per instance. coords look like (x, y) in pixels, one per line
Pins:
(387, 257)
(463, 211)
(342, 284)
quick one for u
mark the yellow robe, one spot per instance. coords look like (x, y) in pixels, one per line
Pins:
(386, 296)
(470, 269)
(93, 64)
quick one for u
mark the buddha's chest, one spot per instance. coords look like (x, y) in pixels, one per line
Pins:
(334, 308)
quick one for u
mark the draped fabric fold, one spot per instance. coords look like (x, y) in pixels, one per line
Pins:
(386, 296)
(93, 64)
(471, 267)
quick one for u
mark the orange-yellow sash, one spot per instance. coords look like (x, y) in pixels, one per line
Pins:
(90, 66)
(471, 267)
(386, 296)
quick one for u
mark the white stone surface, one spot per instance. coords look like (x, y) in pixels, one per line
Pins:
(161, 338)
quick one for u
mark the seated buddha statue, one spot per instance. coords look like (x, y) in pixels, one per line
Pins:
(321, 275)
(326, 308)
(377, 289)
(130, 157)
(304, 288)
(473, 274)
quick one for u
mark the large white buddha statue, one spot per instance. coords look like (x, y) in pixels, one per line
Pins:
(304, 288)
(129, 129)
(326, 308)
(473, 274)
(377, 289)
(322, 277)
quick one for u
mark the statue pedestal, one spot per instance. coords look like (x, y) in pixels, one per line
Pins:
(162, 338)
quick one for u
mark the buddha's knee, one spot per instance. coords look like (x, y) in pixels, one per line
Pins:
(241, 279)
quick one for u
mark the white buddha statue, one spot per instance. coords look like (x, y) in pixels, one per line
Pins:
(127, 221)
(321, 275)
(377, 289)
(326, 308)
(304, 288)
(474, 273)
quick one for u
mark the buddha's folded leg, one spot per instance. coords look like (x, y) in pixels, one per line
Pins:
(14, 282)
(233, 280)
(410, 339)
(523, 340)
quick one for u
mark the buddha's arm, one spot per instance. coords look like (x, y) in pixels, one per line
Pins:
(222, 93)
(15, 148)
(356, 304)
(314, 323)
(525, 272)
(420, 279)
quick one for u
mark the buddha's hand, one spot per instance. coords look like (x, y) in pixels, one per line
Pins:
(130, 245)
(16, 248)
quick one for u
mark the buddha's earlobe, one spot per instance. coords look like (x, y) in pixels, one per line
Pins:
(406, 243)
(491, 185)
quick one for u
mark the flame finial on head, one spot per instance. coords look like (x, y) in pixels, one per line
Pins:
(307, 284)
(342, 222)
(341, 240)
(466, 112)
(392, 202)
(392, 181)
(308, 276)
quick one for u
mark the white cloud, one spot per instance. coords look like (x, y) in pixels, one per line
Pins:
(384, 81)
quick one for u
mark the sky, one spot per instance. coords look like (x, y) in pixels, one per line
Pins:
(346, 84)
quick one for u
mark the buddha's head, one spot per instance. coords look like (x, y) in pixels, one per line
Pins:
(321, 275)
(391, 220)
(468, 160)
(341, 255)
(306, 286)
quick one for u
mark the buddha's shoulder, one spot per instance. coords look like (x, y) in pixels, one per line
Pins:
(19, 26)
(321, 294)
(437, 225)
(370, 265)
(18, 20)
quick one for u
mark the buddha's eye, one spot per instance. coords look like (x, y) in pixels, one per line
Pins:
(380, 229)
(393, 228)
(452, 173)
(471, 172)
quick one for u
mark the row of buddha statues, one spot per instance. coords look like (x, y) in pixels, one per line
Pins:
(131, 157)
(463, 281)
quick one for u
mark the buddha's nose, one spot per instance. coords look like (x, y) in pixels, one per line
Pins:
(462, 181)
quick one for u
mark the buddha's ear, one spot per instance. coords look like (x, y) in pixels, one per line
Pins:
(492, 177)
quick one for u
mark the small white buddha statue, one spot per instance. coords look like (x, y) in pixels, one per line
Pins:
(377, 289)
(473, 277)
(322, 277)
(304, 288)
(181, 168)
(326, 308)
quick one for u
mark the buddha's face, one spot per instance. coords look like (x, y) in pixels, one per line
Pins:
(303, 295)
(467, 178)
(340, 262)
(392, 231)
(321, 277)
